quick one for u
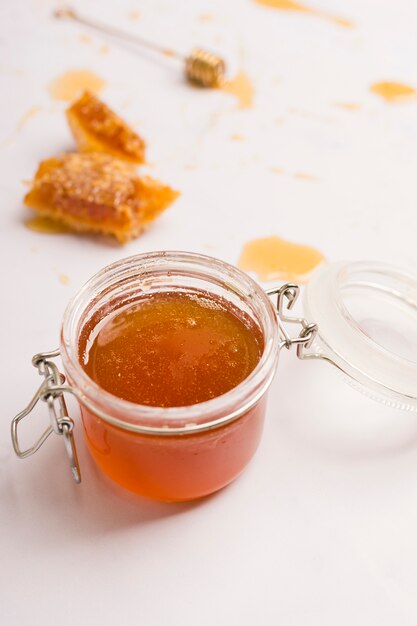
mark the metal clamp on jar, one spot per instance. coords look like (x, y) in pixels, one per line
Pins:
(362, 319)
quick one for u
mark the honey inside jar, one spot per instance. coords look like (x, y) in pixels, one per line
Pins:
(170, 355)
(172, 349)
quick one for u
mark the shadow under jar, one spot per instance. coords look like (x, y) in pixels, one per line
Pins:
(170, 452)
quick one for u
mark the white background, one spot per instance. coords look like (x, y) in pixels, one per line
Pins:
(321, 529)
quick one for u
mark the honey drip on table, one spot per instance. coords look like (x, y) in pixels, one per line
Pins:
(32, 112)
(45, 225)
(71, 84)
(64, 279)
(394, 92)
(305, 176)
(273, 258)
(134, 16)
(349, 106)
(241, 88)
(27, 116)
(291, 5)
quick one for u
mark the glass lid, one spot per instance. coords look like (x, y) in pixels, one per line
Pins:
(367, 325)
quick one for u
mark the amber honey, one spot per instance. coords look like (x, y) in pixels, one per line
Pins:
(172, 349)
(175, 468)
(172, 354)
(274, 258)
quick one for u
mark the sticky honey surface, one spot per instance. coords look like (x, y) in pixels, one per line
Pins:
(172, 349)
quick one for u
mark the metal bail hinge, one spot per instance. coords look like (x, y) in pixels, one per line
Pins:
(51, 391)
(287, 296)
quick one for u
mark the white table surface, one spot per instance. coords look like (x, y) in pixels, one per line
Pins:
(321, 527)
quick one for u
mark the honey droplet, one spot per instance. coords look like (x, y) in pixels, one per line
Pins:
(46, 225)
(394, 92)
(237, 137)
(134, 16)
(273, 258)
(20, 124)
(27, 116)
(291, 5)
(71, 84)
(241, 88)
(64, 279)
(349, 106)
(304, 176)
(85, 38)
(285, 5)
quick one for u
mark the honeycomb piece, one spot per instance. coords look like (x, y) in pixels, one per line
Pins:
(94, 192)
(96, 128)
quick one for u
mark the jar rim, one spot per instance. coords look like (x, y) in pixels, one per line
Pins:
(185, 419)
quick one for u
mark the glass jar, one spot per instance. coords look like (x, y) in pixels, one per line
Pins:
(175, 453)
(364, 322)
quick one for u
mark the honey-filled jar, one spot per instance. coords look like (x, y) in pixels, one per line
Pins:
(170, 356)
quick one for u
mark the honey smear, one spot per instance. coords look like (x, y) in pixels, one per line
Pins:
(71, 84)
(394, 92)
(64, 279)
(27, 116)
(349, 106)
(134, 16)
(241, 88)
(46, 225)
(291, 5)
(273, 258)
(305, 176)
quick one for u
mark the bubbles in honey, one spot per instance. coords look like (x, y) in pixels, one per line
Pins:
(172, 349)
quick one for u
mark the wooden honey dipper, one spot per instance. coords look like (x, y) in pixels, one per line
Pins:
(201, 67)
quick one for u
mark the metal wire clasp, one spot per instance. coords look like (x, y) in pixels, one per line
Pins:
(287, 296)
(51, 392)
